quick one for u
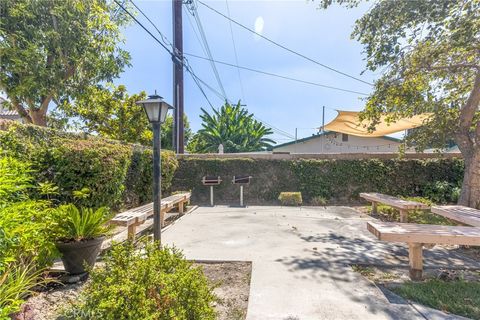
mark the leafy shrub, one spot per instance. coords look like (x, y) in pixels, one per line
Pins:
(16, 281)
(138, 182)
(26, 245)
(442, 192)
(24, 224)
(97, 165)
(150, 283)
(339, 181)
(86, 223)
(290, 198)
(115, 173)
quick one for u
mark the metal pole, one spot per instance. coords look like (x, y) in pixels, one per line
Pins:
(211, 196)
(322, 138)
(178, 75)
(157, 197)
(323, 118)
(296, 136)
(241, 196)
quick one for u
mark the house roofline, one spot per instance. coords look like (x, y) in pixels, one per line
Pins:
(326, 133)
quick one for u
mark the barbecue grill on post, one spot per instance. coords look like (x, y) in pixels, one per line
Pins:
(242, 181)
(211, 181)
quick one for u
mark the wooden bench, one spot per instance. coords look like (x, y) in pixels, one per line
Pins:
(137, 216)
(418, 235)
(464, 215)
(404, 206)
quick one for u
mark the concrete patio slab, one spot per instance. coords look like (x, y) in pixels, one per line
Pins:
(301, 259)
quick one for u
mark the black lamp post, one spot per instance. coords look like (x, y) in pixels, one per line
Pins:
(156, 110)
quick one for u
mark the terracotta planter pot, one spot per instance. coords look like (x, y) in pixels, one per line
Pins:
(76, 254)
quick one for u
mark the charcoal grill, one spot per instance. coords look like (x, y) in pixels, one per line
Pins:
(241, 180)
(211, 181)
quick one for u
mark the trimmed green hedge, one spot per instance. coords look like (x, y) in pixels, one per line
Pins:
(337, 181)
(116, 174)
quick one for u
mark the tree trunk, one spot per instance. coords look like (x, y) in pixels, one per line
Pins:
(470, 195)
(39, 117)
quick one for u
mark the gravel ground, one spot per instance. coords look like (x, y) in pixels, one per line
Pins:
(232, 281)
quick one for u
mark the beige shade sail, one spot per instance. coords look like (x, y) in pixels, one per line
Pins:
(348, 122)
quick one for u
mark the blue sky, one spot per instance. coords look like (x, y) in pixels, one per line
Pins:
(299, 25)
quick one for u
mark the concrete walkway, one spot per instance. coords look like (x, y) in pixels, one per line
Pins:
(301, 259)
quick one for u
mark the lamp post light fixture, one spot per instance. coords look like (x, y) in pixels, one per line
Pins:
(156, 110)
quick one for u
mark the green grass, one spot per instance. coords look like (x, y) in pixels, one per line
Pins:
(363, 270)
(457, 297)
(387, 213)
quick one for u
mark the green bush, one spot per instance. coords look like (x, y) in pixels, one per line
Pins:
(150, 283)
(26, 244)
(115, 174)
(25, 224)
(96, 165)
(442, 192)
(339, 181)
(290, 198)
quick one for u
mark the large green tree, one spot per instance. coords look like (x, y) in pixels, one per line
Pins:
(51, 51)
(234, 128)
(429, 55)
(113, 113)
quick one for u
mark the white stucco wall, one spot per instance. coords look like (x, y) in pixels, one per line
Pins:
(332, 143)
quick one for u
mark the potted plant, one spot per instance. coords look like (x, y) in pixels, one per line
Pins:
(80, 234)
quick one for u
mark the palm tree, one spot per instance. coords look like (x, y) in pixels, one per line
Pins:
(234, 128)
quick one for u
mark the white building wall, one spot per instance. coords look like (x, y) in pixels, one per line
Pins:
(333, 143)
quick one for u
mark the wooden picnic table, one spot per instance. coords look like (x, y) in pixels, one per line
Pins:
(137, 216)
(464, 215)
(402, 205)
(419, 235)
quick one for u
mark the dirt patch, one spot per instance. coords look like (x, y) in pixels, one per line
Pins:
(233, 287)
(231, 281)
(391, 277)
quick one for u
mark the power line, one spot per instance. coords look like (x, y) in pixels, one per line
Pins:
(193, 11)
(222, 62)
(196, 34)
(164, 38)
(283, 46)
(275, 129)
(189, 69)
(235, 51)
(143, 27)
(277, 75)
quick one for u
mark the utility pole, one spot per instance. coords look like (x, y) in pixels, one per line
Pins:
(322, 138)
(323, 119)
(178, 128)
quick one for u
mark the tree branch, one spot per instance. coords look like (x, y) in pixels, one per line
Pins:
(455, 66)
(21, 110)
(467, 113)
(45, 102)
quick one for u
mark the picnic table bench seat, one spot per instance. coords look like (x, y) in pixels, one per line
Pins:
(402, 205)
(461, 214)
(136, 216)
(418, 235)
